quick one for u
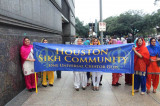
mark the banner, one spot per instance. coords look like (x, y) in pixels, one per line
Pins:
(117, 58)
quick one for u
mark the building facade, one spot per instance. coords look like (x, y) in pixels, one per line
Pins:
(52, 19)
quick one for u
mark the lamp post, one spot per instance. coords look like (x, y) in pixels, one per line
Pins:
(101, 33)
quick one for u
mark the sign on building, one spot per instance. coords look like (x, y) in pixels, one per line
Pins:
(102, 26)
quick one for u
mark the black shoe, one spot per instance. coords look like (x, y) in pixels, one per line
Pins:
(114, 84)
(30, 90)
(100, 84)
(44, 85)
(129, 84)
(118, 83)
(83, 88)
(33, 89)
(50, 84)
(77, 89)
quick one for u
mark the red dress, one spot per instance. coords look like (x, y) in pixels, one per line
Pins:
(153, 72)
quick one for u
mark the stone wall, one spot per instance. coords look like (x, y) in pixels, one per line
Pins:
(35, 19)
(11, 76)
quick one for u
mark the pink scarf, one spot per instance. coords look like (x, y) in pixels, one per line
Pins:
(24, 52)
(119, 42)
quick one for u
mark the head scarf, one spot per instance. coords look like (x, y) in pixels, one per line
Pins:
(135, 41)
(154, 50)
(43, 40)
(75, 42)
(143, 51)
(123, 40)
(24, 51)
(87, 42)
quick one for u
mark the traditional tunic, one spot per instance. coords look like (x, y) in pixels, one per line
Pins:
(153, 70)
(28, 66)
(140, 65)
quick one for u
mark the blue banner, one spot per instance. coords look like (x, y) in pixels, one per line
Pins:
(117, 58)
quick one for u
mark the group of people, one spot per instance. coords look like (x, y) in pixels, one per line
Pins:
(82, 78)
(146, 67)
(27, 60)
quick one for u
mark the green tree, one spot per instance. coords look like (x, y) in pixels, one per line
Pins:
(81, 30)
(133, 22)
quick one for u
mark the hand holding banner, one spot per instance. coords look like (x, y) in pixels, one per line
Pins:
(98, 58)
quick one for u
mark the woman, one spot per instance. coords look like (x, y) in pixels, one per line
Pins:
(50, 74)
(141, 59)
(115, 76)
(27, 60)
(153, 70)
(80, 78)
(96, 76)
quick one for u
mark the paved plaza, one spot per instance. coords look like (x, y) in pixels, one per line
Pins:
(64, 94)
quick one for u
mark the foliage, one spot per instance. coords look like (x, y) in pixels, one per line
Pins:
(81, 30)
(133, 22)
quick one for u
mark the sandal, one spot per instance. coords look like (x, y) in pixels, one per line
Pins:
(148, 91)
(142, 93)
(136, 90)
(97, 88)
(94, 88)
(154, 90)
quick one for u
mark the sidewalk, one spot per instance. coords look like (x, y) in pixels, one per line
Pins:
(64, 94)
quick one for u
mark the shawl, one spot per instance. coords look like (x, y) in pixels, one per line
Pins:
(24, 51)
(154, 50)
(143, 51)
